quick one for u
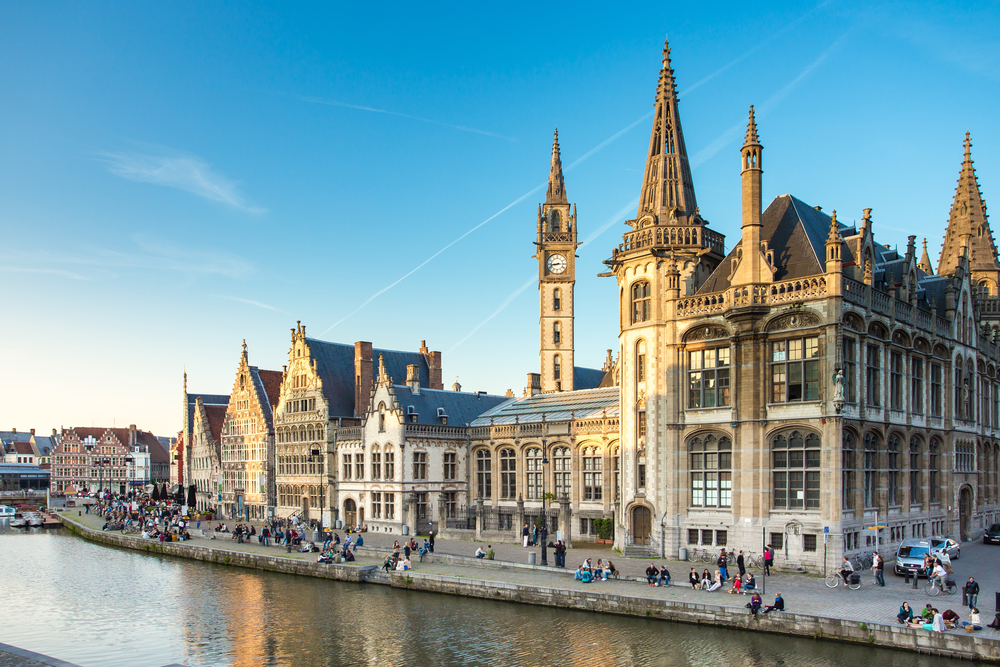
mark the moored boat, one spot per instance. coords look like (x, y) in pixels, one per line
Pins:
(18, 521)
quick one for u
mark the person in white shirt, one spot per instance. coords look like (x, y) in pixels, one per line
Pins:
(846, 569)
(939, 574)
(480, 553)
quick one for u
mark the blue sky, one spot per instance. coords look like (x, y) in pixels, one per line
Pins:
(176, 178)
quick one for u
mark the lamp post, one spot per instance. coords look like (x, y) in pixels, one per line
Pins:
(542, 533)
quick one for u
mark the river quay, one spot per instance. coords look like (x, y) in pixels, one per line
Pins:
(510, 582)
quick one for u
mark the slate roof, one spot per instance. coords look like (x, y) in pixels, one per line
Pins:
(335, 366)
(45, 444)
(156, 450)
(796, 232)
(560, 406)
(587, 378)
(461, 407)
(15, 436)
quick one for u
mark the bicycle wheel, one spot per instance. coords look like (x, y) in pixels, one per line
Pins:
(933, 590)
(950, 590)
(854, 585)
(833, 581)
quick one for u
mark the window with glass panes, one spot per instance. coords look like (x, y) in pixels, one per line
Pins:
(421, 505)
(873, 375)
(848, 462)
(640, 423)
(347, 466)
(484, 474)
(917, 386)
(390, 465)
(795, 370)
(450, 503)
(896, 380)
(419, 465)
(914, 472)
(708, 378)
(872, 442)
(561, 466)
(376, 504)
(711, 471)
(937, 390)
(508, 474)
(616, 468)
(851, 369)
(533, 476)
(376, 465)
(593, 478)
(892, 464)
(389, 508)
(640, 361)
(450, 465)
(796, 456)
(933, 451)
(641, 310)
(359, 466)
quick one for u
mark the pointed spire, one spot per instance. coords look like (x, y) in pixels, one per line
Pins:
(925, 261)
(834, 235)
(968, 225)
(557, 187)
(667, 189)
(751, 138)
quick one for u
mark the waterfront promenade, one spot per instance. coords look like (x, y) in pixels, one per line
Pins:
(451, 569)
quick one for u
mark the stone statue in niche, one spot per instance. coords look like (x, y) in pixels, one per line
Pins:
(965, 399)
(839, 386)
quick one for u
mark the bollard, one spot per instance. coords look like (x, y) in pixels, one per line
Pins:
(915, 577)
(531, 558)
(906, 577)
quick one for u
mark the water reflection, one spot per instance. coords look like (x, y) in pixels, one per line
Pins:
(99, 606)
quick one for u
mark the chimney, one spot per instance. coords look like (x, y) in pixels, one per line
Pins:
(413, 378)
(534, 384)
(364, 376)
(53, 433)
(434, 379)
(32, 431)
(131, 435)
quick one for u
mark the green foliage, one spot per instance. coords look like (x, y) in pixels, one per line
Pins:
(604, 528)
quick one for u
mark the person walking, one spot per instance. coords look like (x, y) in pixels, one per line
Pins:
(768, 559)
(722, 565)
(741, 564)
(970, 593)
(878, 567)
(524, 534)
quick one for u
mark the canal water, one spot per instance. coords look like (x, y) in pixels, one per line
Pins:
(105, 607)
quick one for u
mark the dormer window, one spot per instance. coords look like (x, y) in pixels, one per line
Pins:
(411, 414)
(442, 417)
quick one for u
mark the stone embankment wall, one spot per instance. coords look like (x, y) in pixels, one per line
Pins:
(971, 647)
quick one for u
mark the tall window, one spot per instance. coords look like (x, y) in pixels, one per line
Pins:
(917, 386)
(376, 504)
(616, 467)
(847, 465)
(959, 411)
(390, 465)
(937, 390)
(851, 369)
(872, 443)
(389, 511)
(561, 466)
(711, 471)
(381, 417)
(376, 465)
(708, 378)
(556, 367)
(450, 503)
(419, 465)
(796, 470)
(933, 450)
(359, 466)
(640, 361)
(421, 505)
(892, 477)
(592, 476)
(556, 299)
(508, 474)
(896, 380)
(347, 466)
(641, 311)
(640, 422)
(484, 474)
(556, 332)
(873, 375)
(450, 466)
(914, 473)
(533, 461)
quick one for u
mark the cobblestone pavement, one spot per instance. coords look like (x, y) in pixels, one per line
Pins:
(803, 593)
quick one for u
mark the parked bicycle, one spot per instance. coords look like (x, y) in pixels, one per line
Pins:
(853, 580)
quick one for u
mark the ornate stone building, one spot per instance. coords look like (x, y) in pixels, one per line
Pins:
(89, 459)
(206, 453)
(247, 452)
(806, 381)
(181, 452)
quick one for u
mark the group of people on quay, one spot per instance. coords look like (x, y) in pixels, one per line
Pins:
(399, 559)
(588, 572)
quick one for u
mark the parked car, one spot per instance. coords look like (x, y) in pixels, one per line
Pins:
(992, 534)
(911, 552)
(946, 544)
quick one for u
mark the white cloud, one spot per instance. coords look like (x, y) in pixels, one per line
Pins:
(188, 173)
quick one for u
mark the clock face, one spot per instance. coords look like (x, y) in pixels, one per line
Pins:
(557, 263)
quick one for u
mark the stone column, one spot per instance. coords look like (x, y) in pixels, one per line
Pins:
(440, 520)
(566, 521)
(520, 518)
(479, 518)
(411, 512)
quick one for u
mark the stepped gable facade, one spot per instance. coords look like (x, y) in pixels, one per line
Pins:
(88, 459)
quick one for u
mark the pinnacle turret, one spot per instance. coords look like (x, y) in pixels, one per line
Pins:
(751, 138)
(968, 230)
(925, 262)
(667, 190)
(557, 186)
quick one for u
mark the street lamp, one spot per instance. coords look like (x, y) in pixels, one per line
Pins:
(543, 532)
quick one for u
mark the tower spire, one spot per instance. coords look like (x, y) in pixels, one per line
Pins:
(925, 261)
(667, 190)
(557, 186)
(968, 225)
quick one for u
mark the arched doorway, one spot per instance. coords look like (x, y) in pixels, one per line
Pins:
(965, 514)
(642, 524)
(350, 513)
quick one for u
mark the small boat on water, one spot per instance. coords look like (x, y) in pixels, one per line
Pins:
(7, 512)
(35, 519)
(18, 521)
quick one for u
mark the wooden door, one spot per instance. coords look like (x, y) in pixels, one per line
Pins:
(642, 524)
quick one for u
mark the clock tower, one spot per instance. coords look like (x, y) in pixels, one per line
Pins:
(556, 255)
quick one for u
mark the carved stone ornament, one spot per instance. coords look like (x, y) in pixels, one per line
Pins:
(793, 321)
(706, 333)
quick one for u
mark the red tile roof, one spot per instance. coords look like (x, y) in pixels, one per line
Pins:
(272, 385)
(216, 415)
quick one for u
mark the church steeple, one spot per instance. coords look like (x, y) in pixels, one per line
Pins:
(968, 226)
(667, 190)
(557, 186)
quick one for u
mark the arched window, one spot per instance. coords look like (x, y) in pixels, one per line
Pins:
(533, 464)
(983, 289)
(893, 445)
(508, 474)
(848, 461)
(381, 417)
(556, 299)
(796, 470)
(561, 468)
(553, 220)
(593, 478)
(484, 474)
(915, 467)
(872, 442)
(711, 471)
(556, 333)
(390, 464)
(640, 361)
(641, 310)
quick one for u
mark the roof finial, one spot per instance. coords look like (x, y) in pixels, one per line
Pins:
(751, 137)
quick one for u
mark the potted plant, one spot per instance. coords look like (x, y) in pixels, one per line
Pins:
(605, 529)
